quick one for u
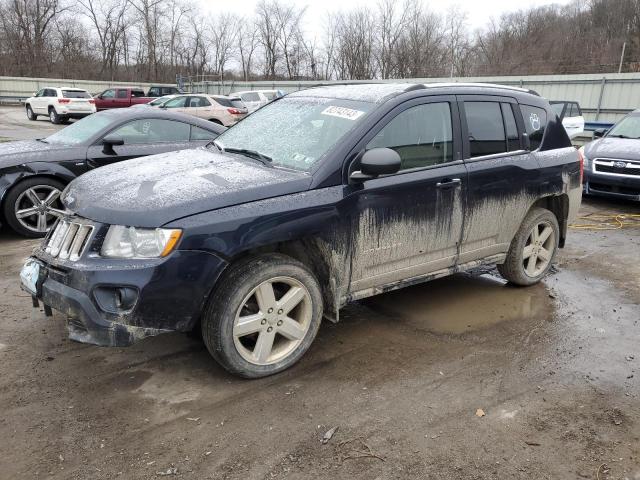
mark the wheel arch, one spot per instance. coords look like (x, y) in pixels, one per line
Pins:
(310, 253)
(559, 206)
(18, 179)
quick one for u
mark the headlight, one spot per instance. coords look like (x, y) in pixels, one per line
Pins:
(132, 242)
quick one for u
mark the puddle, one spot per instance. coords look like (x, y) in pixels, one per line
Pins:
(464, 303)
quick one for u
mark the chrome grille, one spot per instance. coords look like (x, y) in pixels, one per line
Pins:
(612, 166)
(68, 240)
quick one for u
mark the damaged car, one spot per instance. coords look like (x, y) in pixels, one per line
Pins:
(321, 198)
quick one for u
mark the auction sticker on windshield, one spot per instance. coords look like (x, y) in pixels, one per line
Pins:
(342, 112)
(29, 275)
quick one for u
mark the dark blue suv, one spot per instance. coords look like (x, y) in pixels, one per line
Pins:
(321, 198)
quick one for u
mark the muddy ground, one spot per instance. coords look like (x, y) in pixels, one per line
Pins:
(554, 367)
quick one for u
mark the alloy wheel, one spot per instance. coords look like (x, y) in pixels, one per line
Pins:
(38, 207)
(272, 320)
(539, 249)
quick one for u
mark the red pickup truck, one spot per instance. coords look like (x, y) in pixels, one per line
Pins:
(120, 98)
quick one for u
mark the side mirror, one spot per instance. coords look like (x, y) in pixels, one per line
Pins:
(599, 133)
(376, 162)
(109, 142)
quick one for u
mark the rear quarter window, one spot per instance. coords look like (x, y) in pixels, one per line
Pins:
(535, 122)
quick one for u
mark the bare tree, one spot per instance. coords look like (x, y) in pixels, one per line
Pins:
(247, 41)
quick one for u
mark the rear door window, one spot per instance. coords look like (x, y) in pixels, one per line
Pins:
(535, 121)
(485, 128)
(422, 136)
(250, 97)
(122, 93)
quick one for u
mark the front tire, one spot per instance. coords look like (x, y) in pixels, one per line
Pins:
(532, 249)
(33, 206)
(264, 316)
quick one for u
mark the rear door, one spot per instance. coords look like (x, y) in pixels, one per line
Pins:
(503, 175)
(141, 138)
(408, 225)
(122, 99)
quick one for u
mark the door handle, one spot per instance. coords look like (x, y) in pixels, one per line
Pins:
(449, 183)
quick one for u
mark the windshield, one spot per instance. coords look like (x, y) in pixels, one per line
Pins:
(295, 132)
(81, 130)
(161, 100)
(628, 127)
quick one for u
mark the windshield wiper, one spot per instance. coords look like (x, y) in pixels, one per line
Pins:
(265, 159)
(618, 136)
(41, 140)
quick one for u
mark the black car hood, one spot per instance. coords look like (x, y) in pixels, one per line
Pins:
(611, 147)
(25, 151)
(152, 191)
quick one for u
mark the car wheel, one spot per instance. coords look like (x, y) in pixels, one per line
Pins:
(30, 115)
(53, 116)
(532, 249)
(264, 316)
(32, 206)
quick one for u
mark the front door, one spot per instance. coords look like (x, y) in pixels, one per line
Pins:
(503, 174)
(408, 225)
(141, 138)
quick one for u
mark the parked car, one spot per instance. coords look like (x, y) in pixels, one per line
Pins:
(324, 197)
(160, 91)
(570, 114)
(254, 99)
(60, 104)
(34, 172)
(612, 161)
(225, 111)
(121, 98)
(158, 102)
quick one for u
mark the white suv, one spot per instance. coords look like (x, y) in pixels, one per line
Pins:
(60, 104)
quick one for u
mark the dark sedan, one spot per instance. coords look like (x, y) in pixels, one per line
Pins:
(612, 162)
(33, 173)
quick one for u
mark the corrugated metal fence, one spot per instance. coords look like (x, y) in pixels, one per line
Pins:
(604, 98)
(20, 88)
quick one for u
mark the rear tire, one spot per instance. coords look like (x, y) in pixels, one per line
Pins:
(30, 115)
(54, 117)
(533, 248)
(264, 315)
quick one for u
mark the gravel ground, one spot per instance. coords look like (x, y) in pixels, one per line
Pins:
(463, 377)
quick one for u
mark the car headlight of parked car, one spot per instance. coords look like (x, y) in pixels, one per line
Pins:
(132, 242)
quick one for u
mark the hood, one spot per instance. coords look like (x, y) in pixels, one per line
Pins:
(25, 151)
(152, 191)
(611, 147)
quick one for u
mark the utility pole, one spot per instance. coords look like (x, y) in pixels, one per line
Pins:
(624, 46)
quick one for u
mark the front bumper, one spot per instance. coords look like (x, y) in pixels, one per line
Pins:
(170, 294)
(625, 187)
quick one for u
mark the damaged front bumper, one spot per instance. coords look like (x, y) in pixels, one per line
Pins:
(117, 302)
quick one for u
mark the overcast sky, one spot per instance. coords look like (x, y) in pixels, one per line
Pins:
(479, 12)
